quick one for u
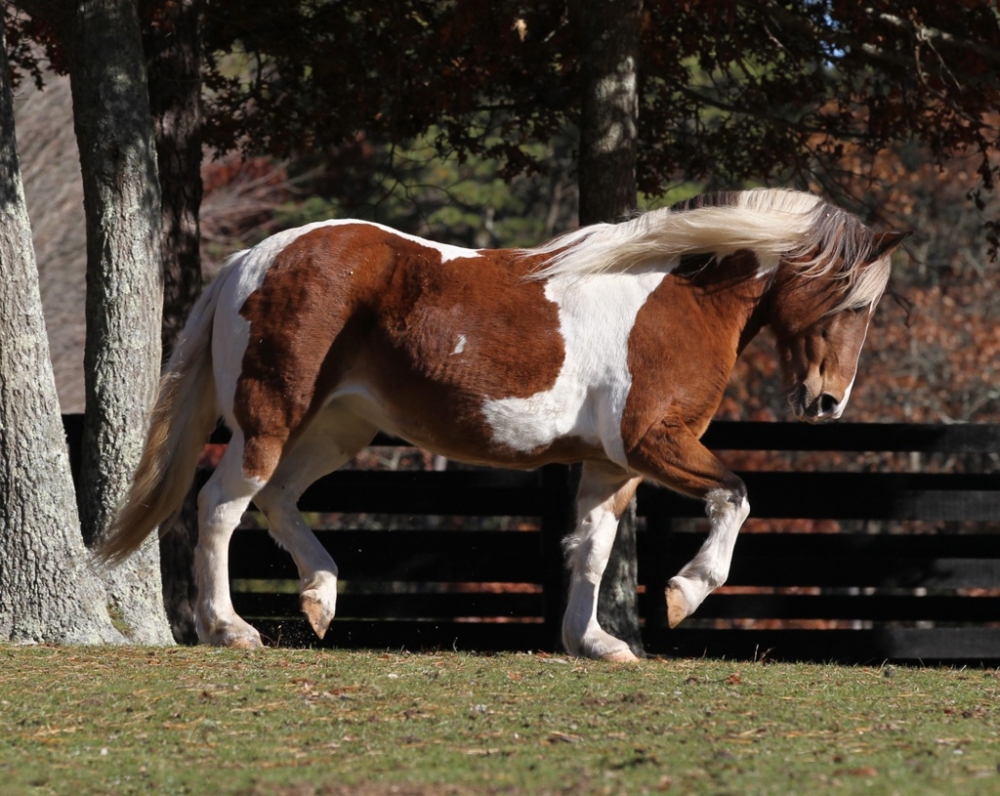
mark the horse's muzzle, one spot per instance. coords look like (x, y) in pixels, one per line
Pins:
(820, 409)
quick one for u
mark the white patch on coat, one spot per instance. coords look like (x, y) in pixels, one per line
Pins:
(231, 332)
(460, 346)
(840, 407)
(596, 316)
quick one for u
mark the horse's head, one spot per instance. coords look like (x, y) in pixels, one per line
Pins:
(820, 319)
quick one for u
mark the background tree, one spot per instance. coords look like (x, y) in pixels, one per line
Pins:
(101, 43)
(171, 38)
(729, 90)
(608, 32)
(47, 591)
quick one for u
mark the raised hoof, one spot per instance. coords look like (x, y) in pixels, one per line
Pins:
(316, 612)
(677, 606)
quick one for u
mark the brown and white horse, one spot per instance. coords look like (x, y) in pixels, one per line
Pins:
(610, 345)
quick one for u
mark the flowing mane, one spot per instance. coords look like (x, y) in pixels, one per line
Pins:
(817, 236)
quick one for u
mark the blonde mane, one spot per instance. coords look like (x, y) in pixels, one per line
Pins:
(775, 224)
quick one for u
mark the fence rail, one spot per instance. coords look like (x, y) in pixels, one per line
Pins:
(849, 596)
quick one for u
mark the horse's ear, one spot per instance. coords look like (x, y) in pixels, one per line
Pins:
(886, 242)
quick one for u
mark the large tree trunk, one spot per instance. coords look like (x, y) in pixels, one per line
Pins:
(47, 591)
(114, 131)
(609, 53)
(608, 33)
(172, 43)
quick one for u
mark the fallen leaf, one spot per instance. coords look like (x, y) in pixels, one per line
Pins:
(864, 771)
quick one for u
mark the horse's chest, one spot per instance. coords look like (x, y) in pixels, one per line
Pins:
(587, 397)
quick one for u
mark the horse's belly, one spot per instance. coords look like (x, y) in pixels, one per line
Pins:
(463, 429)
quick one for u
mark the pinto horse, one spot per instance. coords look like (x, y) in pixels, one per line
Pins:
(609, 346)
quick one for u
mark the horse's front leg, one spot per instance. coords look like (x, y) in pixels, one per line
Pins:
(671, 455)
(603, 495)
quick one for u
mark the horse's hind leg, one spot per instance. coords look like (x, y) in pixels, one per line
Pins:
(221, 504)
(602, 498)
(331, 439)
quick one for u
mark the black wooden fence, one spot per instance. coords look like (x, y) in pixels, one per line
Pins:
(928, 594)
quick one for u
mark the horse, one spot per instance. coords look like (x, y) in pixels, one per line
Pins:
(610, 345)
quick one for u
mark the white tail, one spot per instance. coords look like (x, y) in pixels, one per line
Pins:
(182, 418)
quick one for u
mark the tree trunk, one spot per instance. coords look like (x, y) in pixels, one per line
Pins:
(172, 43)
(608, 33)
(114, 131)
(47, 591)
(172, 46)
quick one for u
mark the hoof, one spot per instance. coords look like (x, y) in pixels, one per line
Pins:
(237, 639)
(599, 646)
(245, 643)
(317, 612)
(237, 635)
(677, 606)
(620, 656)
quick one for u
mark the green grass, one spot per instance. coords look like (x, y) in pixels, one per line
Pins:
(298, 722)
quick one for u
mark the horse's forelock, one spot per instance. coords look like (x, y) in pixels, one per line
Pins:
(840, 246)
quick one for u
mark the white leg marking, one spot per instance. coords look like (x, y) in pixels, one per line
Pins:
(221, 504)
(588, 550)
(710, 567)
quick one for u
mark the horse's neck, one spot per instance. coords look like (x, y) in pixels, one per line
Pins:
(738, 296)
(760, 316)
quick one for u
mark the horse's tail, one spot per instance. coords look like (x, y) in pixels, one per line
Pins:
(183, 416)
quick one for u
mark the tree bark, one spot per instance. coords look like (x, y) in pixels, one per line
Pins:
(47, 591)
(114, 132)
(608, 33)
(172, 44)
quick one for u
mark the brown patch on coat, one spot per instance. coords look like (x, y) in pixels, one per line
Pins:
(356, 304)
(681, 351)
(621, 498)
(685, 342)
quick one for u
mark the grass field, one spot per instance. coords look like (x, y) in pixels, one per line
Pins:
(301, 722)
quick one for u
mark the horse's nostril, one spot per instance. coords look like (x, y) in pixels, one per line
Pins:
(827, 404)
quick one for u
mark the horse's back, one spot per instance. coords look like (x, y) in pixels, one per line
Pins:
(414, 335)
